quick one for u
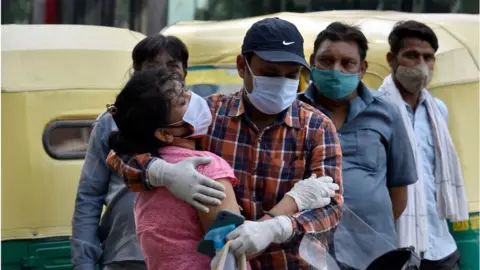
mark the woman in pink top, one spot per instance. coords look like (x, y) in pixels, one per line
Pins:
(155, 114)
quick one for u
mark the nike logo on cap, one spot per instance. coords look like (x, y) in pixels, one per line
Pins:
(288, 43)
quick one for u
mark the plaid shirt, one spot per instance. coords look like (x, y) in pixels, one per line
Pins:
(267, 164)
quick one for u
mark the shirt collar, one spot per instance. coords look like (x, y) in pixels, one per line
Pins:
(236, 107)
(309, 93)
(365, 93)
(422, 97)
(357, 105)
(421, 100)
(290, 116)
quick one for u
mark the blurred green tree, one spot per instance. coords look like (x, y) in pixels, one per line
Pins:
(18, 11)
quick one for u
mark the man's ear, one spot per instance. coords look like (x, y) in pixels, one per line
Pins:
(163, 136)
(241, 65)
(312, 60)
(390, 59)
(363, 69)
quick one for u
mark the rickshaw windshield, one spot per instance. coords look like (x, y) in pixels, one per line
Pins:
(336, 250)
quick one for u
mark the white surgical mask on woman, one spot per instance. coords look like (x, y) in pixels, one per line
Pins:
(272, 95)
(197, 115)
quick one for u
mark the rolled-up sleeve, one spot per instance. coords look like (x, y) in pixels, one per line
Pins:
(326, 160)
(92, 189)
(401, 168)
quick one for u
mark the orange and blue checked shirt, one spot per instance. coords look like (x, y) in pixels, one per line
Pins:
(267, 164)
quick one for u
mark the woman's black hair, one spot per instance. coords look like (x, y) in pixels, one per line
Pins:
(411, 29)
(150, 47)
(142, 107)
(338, 31)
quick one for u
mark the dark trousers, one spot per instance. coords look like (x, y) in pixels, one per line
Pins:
(451, 262)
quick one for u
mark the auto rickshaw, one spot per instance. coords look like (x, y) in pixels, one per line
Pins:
(56, 79)
(214, 46)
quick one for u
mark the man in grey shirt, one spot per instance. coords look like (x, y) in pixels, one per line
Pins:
(377, 159)
(110, 241)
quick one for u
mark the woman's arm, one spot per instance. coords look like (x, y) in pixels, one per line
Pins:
(229, 203)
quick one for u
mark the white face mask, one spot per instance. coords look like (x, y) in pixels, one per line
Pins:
(198, 115)
(272, 95)
(415, 78)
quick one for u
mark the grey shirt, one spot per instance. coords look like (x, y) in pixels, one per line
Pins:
(377, 156)
(109, 238)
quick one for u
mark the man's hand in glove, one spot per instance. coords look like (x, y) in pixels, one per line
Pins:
(313, 192)
(185, 182)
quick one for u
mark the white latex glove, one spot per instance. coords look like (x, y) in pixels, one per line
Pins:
(313, 192)
(185, 182)
(254, 236)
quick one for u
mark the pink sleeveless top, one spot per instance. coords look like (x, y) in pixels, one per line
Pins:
(168, 229)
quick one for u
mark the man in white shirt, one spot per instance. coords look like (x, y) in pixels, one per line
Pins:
(439, 193)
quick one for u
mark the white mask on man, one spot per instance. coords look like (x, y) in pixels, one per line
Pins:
(272, 95)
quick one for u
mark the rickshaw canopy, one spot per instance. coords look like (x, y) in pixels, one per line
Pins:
(219, 42)
(54, 57)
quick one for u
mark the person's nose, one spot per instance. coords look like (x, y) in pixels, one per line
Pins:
(421, 60)
(337, 66)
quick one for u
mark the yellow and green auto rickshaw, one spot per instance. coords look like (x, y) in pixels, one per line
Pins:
(214, 46)
(56, 79)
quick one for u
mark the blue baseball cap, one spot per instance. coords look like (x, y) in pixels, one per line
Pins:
(275, 40)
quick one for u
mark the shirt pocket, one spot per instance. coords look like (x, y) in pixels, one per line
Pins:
(349, 144)
(297, 170)
(425, 140)
(285, 174)
(292, 170)
(426, 148)
(371, 151)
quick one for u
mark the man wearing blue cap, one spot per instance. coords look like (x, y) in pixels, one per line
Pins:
(272, 141)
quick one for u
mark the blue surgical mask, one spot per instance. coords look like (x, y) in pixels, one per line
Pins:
(334, 84)
(272, 95)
